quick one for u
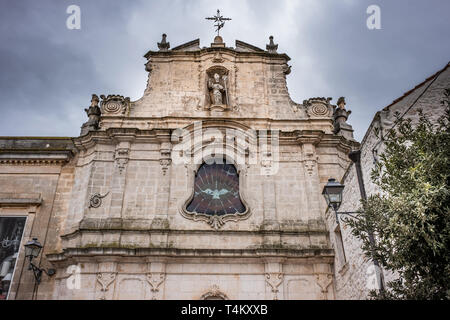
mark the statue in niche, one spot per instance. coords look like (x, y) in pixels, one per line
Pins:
(218, 89)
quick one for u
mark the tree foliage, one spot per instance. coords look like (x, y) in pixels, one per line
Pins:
(410, 217)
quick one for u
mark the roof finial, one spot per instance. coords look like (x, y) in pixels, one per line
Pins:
(164, 45)
(272, 47)
(220, 21)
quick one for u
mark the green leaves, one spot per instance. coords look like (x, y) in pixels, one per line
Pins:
(411, 216)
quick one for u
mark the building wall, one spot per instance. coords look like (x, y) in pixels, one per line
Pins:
(353, 276)
(32, 182)
(115, 225)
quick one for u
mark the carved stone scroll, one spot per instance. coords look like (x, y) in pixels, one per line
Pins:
(155, 280)
(274, 280)
(105, 279)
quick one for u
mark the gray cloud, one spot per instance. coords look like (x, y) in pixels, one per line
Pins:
(49, 72)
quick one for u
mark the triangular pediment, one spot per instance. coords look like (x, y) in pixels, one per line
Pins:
(188, 46)
(243, 46)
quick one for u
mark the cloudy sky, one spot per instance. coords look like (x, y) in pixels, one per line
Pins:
(48, 72)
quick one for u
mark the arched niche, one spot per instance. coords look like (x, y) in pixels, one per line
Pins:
(217, 80)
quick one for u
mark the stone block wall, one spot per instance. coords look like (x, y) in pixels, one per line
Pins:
(354, 274)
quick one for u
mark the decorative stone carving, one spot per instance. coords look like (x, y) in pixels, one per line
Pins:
(271, 47)
(318, 107)
(310, 162)
(309, 159)
(324, 281)
(191, 103)
(164, 45)
(287, 69)
(340, 115)
(105, 279)
(341, 103)
(217, 89)
(214, 293)
(155, 280)
(165, 163)
(165, 159)
(216, 222)
(96, 200)
(218, 58)
(309, 166)
(115, 105)
(274, 280)
(93, 113)
(121, 157)
(217, 84)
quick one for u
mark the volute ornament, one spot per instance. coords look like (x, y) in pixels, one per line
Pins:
(115, 105)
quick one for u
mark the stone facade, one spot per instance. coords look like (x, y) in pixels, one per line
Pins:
(353, 274)
(111, 202)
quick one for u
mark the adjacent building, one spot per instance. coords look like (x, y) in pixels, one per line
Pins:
(354, 275)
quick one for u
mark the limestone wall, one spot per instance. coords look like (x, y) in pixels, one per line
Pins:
(119, 227)
(35, 179)
(353, 275)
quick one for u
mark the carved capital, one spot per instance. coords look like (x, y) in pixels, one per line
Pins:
(155, 279)
(324, 281)
(165, 159)
(105, 279)
(274, 280)
(121, 157)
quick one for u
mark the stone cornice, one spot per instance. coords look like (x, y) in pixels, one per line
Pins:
(147, 226)
(114, 135)
(259, 254)
(203, 51)
(35, 151)
(20, 200)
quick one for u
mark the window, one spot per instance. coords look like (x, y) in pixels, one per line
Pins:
(11, 230)
(339, 245)
(216, 190)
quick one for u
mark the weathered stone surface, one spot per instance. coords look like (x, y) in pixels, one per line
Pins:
(134, 242)
(353, 274)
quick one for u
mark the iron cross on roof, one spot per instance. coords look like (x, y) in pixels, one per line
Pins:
(220, 21)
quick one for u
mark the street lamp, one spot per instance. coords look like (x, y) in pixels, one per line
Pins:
(32, 250)
(332, 193)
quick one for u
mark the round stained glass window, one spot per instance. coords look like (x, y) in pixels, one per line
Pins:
(216, 190)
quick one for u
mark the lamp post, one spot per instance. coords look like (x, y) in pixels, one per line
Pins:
(332, 193)
(32, 250)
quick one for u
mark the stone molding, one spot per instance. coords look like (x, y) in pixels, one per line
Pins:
(70, 255)
(324, 281)
(274, 280)
(155, 279)
(20, 200)
(105, 279)
(214, 292)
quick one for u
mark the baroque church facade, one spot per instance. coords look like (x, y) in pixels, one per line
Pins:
(208, 187)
